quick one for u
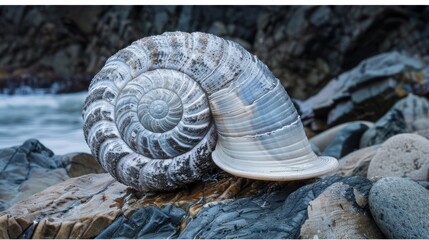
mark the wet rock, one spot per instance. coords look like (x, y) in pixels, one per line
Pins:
(222, 206)
(274, 214)
(306, 46)
(400, 208)
(346, 140)
(357, 162)
(333, 214)
(403, 155)
(389, 125)
(367, 91)
(150, 222)
(31, 168)
(323, 139)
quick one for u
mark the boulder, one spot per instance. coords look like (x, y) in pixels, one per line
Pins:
(400, 208)
(403, 155)
(31, 168)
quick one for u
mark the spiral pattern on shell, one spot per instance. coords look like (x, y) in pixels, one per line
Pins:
(148, 114)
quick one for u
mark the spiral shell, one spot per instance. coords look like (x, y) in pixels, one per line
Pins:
(148, 115)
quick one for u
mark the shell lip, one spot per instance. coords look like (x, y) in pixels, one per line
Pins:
(321, 165)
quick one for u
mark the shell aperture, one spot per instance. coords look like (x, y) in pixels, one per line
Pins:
(158, 109)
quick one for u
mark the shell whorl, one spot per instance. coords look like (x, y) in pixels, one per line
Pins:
(151, 115)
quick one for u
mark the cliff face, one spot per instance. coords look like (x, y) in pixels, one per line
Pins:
(64, 46)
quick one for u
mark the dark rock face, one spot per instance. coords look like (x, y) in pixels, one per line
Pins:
(31, 167)
(63, 47)
(367, 91)
(400, 208)
(305, 46)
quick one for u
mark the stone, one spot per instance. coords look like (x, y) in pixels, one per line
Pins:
(367, 91)
(392, 123)
(325, 138)
(261, 217)
(31, 168)
(79, 164)
(345, 36)
(415, 110)
(403, 155)
(219, 206)
(357, 162)
(334, 215)
(400, 208)
(346, 140)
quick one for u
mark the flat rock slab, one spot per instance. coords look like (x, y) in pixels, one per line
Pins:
(400, 208)
(31, 168)
(222, 206)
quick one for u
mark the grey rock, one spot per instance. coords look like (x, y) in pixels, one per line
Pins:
(276, 213)
(346, 141)
(368, 90)
(31, 168)
(148, 222)
(403, 155)
(390, 124)
(400, 208)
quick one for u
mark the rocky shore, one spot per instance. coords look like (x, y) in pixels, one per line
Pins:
(374, 118)
(359, 77)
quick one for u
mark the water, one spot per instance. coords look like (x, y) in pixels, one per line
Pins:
(55, 120)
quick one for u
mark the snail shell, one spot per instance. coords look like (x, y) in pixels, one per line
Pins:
(155, 110)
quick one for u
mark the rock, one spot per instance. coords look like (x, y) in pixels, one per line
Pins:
(274, 214)
(31, 168)
(367, 91)
(407, 115)
(323, 139)
(306, 59)
(74, 42)
(415, 110)
(400, 208)
(337, 213)
(347, 140)
(221, 206)
(389, 125)
(79, 164)
(357, 162)
(403, 155)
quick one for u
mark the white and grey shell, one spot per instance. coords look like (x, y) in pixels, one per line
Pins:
(161, 108)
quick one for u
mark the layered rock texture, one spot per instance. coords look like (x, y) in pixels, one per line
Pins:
(60, 48)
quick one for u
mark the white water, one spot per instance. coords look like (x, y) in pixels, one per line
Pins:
(55, 120)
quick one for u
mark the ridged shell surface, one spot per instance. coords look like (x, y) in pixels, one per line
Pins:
(155, 110)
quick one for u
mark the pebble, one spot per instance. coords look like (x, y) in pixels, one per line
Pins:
(403, 155)
(400, 208)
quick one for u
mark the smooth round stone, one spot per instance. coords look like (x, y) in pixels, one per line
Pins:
(403, 155)
(400, 207)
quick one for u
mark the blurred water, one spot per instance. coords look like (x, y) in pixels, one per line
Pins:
(55, 120)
